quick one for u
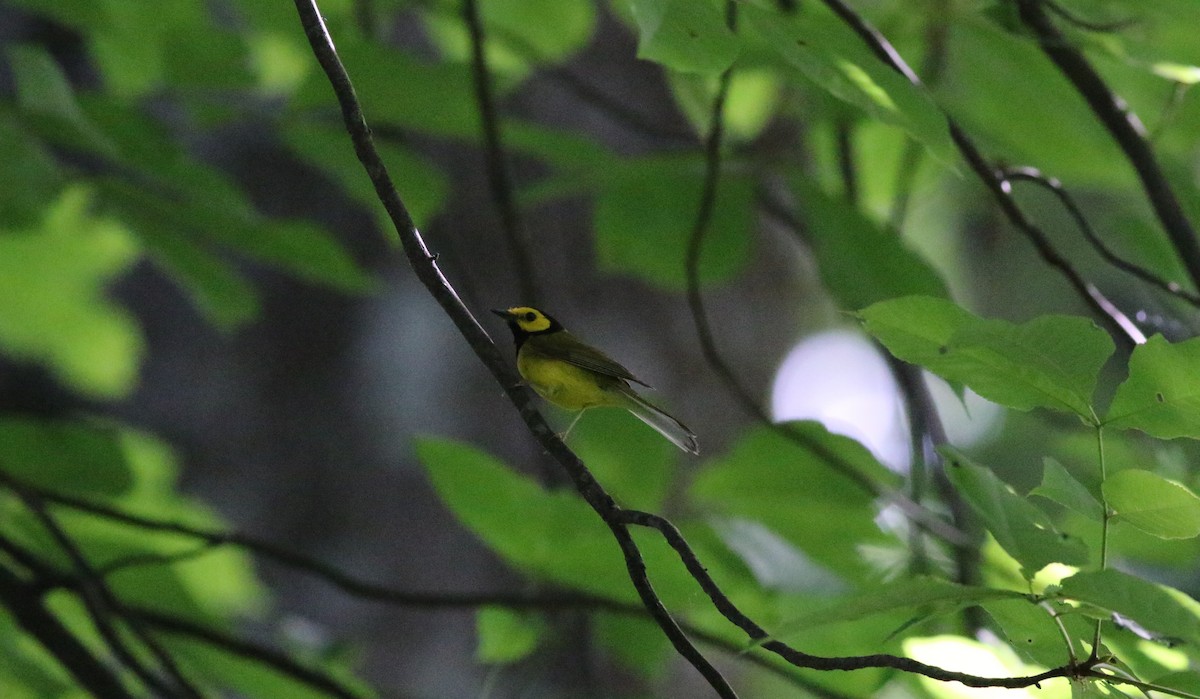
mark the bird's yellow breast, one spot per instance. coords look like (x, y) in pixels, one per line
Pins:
(566, 385)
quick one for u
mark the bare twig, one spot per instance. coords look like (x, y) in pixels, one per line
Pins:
(1030, 174)
(1124, 126)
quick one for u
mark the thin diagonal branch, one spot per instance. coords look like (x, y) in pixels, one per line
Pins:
(425, 267)
(499, 179)
(1124, 126)
(1119, 325)
(233, 645)
(25, 602)
(102, 606)
(1055, 186)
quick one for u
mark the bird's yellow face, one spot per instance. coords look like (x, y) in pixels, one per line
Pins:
(531, 320)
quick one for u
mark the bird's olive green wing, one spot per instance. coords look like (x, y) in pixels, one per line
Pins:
(562, 345)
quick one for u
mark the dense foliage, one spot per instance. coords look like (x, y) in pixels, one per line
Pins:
(1065, 545)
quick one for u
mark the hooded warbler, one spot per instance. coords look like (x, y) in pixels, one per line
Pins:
(576, 376)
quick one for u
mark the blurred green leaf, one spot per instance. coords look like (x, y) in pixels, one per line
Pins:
(28, 671)
(424, 188)
(685, 35)
(515, 30)
(1021, 529)
(860, 263)
(828, 52)
(48, 100)
(506, 636)
(1153, 504)
(1049, 362)
(632, 461)
(398, 90)
(250, 677)
(1060, 486)
(67, 457)
(53, 308)
(637, 643)
(645, 214)
(1161, 397)
(797, 491)
(565, 541)
(1152, 606)
(1020, 108)
(31, 174)
(912, 594)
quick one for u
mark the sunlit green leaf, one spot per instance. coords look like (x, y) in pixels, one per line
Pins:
(1050, 361)
(1153, 504)
(1150, 605)
(53, 307)
(686, 35)
(1161, 397)
(828, 52)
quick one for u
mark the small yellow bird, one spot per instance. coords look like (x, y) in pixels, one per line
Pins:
(576, 376)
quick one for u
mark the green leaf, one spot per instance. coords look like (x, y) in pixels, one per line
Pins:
(999, 85)
(828, 53)
(517, 39)
(45, 95)
(398, 90)
(506, 636)
(686, 35)
(1152, 606)
(645, 214)
(423, 188)
(1161, 397)
(1031, 630)
(911, 594)
(1021, 529)
(1060, 486)
(859, 262)
(1049, 362)
(53, 308)
(633, 462)
(796, 491)
(31, 174)
(554, 534)
(1153, 504)
(637, 643)
(65, 457)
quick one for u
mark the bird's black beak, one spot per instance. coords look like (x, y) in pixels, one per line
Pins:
(503, 314)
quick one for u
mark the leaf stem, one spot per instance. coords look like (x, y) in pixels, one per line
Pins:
(1103, 527)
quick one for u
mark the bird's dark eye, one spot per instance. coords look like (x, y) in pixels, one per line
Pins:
(530, 316)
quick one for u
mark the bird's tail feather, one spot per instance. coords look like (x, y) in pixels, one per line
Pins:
(667, 426)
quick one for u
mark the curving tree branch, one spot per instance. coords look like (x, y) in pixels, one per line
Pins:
(1124, 126)
(1055, 186)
